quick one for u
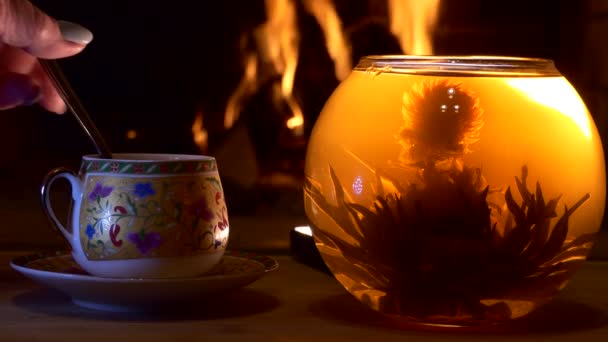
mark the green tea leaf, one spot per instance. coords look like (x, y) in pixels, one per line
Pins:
(578, 254)
(338, 191)
(508, 225)
(579, 203)
(581, 241)
(517, 240)
(361, 210)
(540, 232)
(557, 238)
(339, 215)
(549, 210)
(540, 201)
(515, 210)
(379, 186)
(523, 190)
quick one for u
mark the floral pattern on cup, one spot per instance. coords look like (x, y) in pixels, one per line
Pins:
(126, 217)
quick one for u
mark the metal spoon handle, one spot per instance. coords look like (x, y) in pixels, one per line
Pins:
(68, 95)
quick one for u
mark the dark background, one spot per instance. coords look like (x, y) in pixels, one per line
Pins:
(154, 64)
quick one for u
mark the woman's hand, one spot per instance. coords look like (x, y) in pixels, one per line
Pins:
(27, 33)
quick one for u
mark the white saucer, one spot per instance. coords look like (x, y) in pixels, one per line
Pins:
(59, 271)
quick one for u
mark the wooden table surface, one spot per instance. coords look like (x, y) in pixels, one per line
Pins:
(295, 303)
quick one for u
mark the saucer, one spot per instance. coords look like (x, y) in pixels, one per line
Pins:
(59, 271)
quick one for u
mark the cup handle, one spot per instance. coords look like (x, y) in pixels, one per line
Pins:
(45, 191)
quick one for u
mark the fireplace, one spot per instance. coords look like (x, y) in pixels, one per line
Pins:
(206, 77)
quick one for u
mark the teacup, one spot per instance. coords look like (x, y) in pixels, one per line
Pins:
(144, 215)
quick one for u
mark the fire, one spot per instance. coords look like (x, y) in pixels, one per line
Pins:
(296, 122)
(247, 86)
(337, 46)
(413, 22)
(277, 46)
(278, 43)
(199, 132)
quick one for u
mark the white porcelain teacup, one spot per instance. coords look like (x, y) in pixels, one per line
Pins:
(144, 215)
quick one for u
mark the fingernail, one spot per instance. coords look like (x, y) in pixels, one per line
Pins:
(74, 33)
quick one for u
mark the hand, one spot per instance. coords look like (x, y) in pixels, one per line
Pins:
(27, 33)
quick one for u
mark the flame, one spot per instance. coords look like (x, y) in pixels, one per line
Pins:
(338, 48)
(413, 22)
(199, 132)
(278, 41)
(277, 45)
(296, 122)
(247, 85)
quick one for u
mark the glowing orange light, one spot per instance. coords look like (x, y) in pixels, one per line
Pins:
(199, 132)
(337, 46)
(555, 93)
(413, 22)
(277, 45)
(247, 85)
(131, 134)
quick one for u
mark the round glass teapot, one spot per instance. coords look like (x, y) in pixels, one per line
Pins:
(454, 190)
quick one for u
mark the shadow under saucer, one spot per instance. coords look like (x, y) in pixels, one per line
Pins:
(242, 302)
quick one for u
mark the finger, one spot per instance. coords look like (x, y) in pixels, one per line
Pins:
(16, 60)
(17, 89)
(25, 26)
(49, 96)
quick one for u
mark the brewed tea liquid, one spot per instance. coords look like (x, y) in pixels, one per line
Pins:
(454, 199)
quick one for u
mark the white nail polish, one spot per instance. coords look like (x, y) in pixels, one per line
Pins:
(74, 33)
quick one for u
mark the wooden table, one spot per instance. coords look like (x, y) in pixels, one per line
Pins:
(296, 303)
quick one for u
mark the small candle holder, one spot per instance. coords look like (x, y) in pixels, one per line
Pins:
(303, 249)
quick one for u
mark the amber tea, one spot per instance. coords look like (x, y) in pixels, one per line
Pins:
(454, 190)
